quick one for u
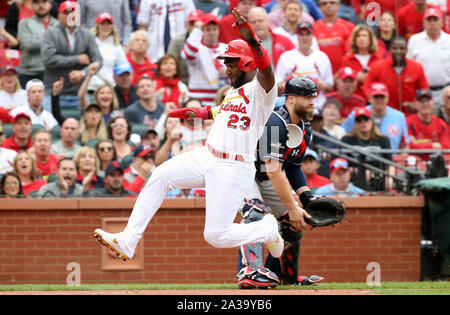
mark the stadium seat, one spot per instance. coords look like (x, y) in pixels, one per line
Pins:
(71, 112)
(56, 133)
(37, 127)
(139, 128)
(7, 128)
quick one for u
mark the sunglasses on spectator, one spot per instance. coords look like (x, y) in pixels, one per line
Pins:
(328, 2)
(362, 118)
(104, 149)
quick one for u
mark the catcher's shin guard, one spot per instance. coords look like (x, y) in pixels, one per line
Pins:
(252, 273)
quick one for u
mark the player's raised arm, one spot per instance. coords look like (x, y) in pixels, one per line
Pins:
(261, 57)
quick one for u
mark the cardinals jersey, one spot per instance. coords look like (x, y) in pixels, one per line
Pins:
(241, 118)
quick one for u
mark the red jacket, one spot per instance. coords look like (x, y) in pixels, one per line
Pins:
(139, 70)
(426, 134)
(402, 88)
(350, 60)
(10, 143)
(136, 185)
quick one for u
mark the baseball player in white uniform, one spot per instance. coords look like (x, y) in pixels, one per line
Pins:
(225, 166)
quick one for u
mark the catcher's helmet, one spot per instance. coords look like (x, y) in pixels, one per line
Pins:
(301, 86)
(239, 48)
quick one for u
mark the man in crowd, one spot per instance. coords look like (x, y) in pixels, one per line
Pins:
(30, 34)
(225, 24)
(114, 182)
(137, 56)
(443, 111)
(290, 12)
(146, 110)
(67, 146)
(67, 51)
(39, 116)
(411, 16)
(389, 121)
(310, 165)
(140, 169)
(21, 137)
(125, 90)
(46, 162)
(431, 49)
(346, 84)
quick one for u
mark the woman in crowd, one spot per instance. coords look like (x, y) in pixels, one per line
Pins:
(92, 125)
(385, 31)
(106, 153)
(87, 165)
(364, 52)
(119, 131)
(11, 93)
(168, 83)
(11, 186)
(25, 166)
(365, 135)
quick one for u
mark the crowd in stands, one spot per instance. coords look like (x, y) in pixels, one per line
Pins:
(86, 86)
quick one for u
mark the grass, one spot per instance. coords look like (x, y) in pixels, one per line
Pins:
(386, 288)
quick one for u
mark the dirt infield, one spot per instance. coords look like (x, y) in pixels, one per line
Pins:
(197, 292)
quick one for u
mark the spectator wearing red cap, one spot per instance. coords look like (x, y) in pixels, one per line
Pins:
(332, 33)
(402, 75)
(11, 93)
(305, 61)
(119, 11)
(364, 52)
(341, 185)
(30, 34)
(390, 122)
(67, 51)
(176, 44)
(108, 42)
(201, 49)
(410, 17)
(271, 41)
(345, 93)
(21, 137)
(431, 49)
(427, 131)
(225, 24)
(163, 20)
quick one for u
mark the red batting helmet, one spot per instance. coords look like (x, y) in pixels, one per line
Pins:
(239, 48)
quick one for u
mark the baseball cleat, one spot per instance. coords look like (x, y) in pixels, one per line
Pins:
(276, 247)
(262, 278)
(108, 240)
(309, 280)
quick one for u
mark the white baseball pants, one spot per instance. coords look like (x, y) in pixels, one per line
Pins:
(226, 183)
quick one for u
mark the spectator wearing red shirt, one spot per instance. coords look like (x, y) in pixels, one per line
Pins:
(21, 138)
(25, 166)
(410, 17)
(332, 33)
(226, 33)
(259, 22)
(140, 169)
(137, 56)
(346, 92)
(403, 77)
(427, 131)
(46, 162)
(310, 165)
(364, 52)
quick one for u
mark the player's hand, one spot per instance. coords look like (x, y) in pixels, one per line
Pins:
(238, 17)
(297, 218)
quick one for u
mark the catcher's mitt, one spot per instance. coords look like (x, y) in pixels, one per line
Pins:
(324, 211)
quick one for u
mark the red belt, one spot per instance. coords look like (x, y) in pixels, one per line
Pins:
(224, 155)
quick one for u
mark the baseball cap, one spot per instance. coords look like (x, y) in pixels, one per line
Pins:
(20, 115)
(89, 106)
(338, 164)
(347, 72)
(436, 12)
(311, 153)
(362, 111)
(142, 150)
(195, 16)
(34, 82)
(113, 166)
(423, 92)
(67, 6)
(378, 88)
(305, 24)
(105, 16)
(209, 18)
(147, 131)
(8, 68)
(121, 67)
